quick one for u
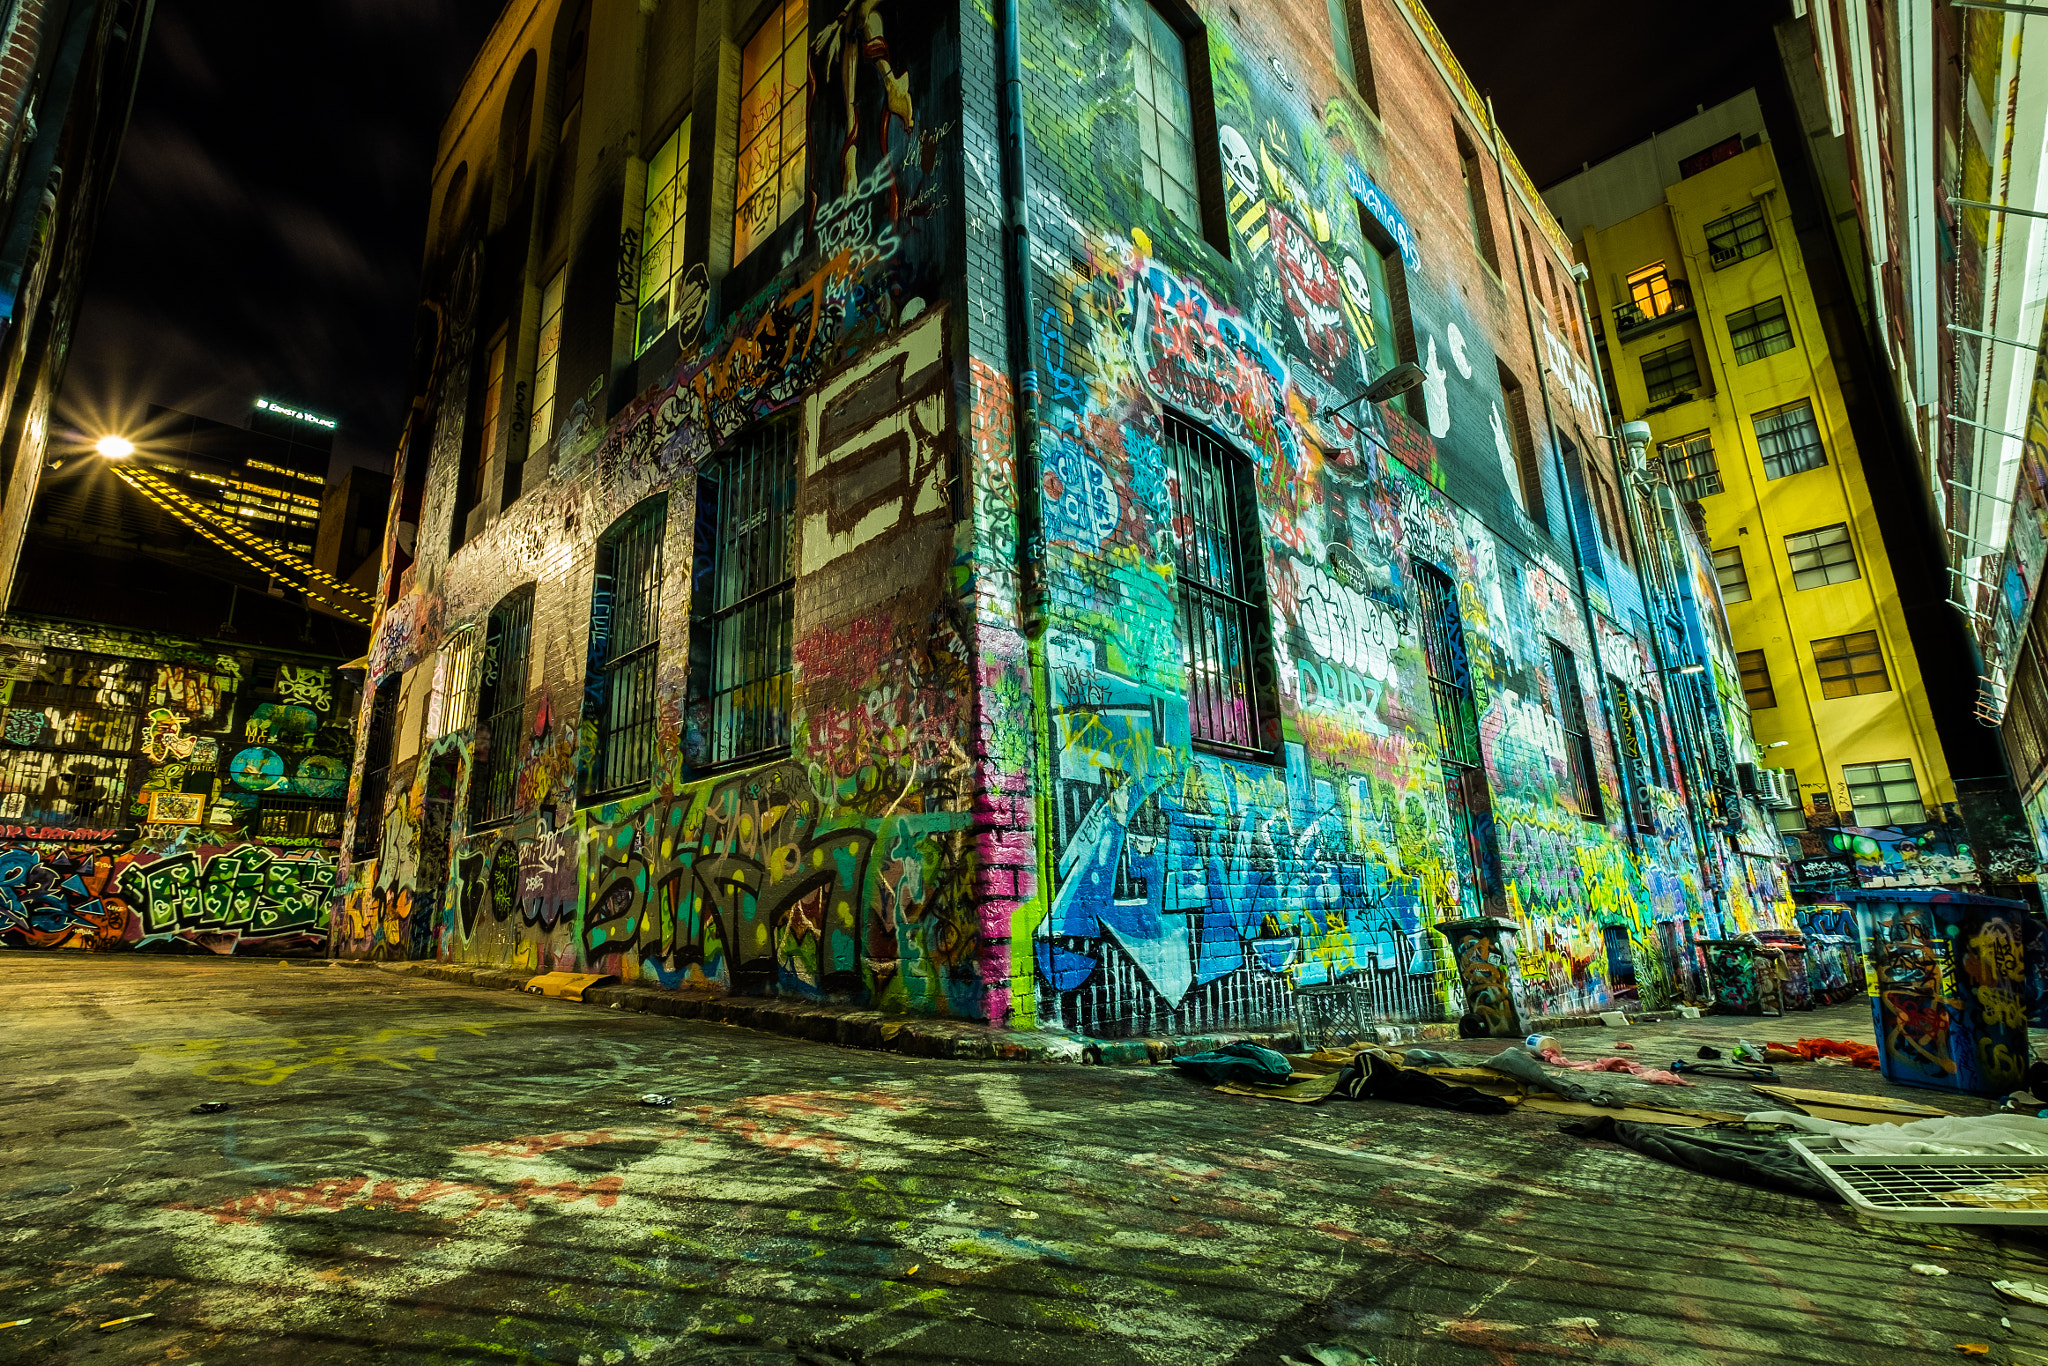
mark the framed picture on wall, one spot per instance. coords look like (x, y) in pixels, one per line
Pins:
(177, 808)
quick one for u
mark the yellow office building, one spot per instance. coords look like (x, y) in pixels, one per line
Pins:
(1710, 334)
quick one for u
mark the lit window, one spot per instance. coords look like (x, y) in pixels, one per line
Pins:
(1690, 465)
(661, 236)
(744, 598)
(1166, 120)
(1734, 579)
(1756, 680)
(1822, 557)
(1738, 237)
(494, 393)
(1788, 439)
(508, 639)
(1760, 331)
(1850, 665)
(1649, 289)
(451, 701)
(1222, 595)
(1884, 794)
(773, 114)
(1670, 371)
(547, 362)
(625, 639)
(1578, 741)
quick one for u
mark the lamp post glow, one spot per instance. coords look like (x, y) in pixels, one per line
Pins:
(114, 447)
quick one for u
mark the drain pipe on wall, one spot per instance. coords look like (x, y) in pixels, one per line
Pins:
(1030, 547)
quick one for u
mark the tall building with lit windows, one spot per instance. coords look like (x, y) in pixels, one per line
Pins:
(1710, 331)
(803, 579)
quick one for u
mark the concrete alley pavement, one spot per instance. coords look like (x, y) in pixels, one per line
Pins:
(411, 1171)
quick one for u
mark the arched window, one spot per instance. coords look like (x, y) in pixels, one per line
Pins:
(501, 698)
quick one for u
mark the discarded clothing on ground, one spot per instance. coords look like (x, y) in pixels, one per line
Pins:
(1861, 1054)
(1754, 1161)
(1519, 1065)
(1634, 1069)
(1972, 1136)
(1376, 1076)
(1245, 1063)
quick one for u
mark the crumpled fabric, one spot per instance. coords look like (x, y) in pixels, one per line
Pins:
(1519, 1065)
(1243, 1063)
(1964, 1136)
(1752, 1160)
(1375, 1076)
(1634, 1069)
(1861, 1054)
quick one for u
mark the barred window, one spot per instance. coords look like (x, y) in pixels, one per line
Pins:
(76, 731)
(774, 77)
(375, 783)
(744, 598)
(1166, 119)
(1756, 680)
(451, 701)
(1822, 557)
(1738, 237)
(1788, 439)
(1690, 465)
(1578, 741)
(1222, 592)
(1670, 370)
(1884, 794)
(502, 678)
(1760, 331)
(1457, 720)
(625, 638)
(1850, 665)
(661, 236)
(1734, 579)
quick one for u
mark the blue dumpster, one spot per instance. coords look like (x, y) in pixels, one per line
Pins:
(1946, 975)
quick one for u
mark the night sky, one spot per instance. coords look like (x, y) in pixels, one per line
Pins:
(265, 228)
(264, 231)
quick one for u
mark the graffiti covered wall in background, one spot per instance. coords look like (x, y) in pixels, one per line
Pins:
(167, 798)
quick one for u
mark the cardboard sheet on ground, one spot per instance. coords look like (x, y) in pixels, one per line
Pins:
(1304, 1091)
(1638, 1114)
(1846, 1107)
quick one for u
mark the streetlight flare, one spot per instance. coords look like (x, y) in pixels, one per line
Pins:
(115, 447)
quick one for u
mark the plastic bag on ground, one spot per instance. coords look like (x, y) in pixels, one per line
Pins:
(1965, 1136)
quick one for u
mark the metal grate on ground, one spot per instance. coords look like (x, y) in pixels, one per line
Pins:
(1936, 1190)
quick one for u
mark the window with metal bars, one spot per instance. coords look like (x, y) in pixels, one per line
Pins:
(625, 640)
(371, 791)
(1578, 740)
(1457, 716)
(297, 818)
(1224, 634)
(743, 598)
(501, 696)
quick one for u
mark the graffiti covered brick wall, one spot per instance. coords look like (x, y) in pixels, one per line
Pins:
(1052, 757)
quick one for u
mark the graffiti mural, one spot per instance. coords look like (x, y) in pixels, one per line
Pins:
(245, 899)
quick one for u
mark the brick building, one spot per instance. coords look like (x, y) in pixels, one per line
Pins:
(888, 516)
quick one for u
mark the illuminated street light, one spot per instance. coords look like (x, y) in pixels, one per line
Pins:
(114, 447)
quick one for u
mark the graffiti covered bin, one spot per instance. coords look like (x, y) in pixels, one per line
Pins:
(1946, 975)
